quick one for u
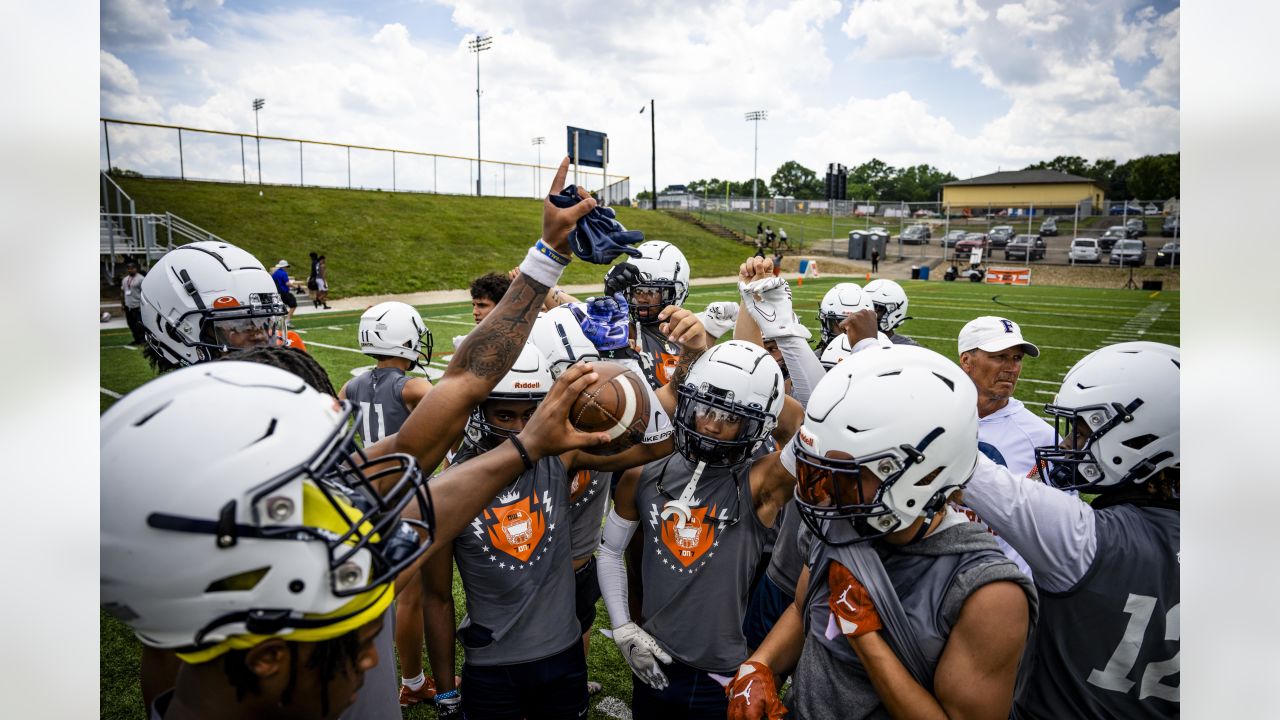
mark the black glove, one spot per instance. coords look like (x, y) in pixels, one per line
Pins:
(598, 237)
(621, 278)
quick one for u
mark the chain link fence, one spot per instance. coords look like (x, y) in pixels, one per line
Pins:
(173, 152)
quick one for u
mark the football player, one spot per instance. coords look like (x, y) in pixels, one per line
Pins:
(1111, 566)
(840, 301)
(265, 554)
(204, 299)
(521, 637)
(393, 334)
(703, 514)
(486, 292)
(904, 609)
(663, 282)
(890, 302)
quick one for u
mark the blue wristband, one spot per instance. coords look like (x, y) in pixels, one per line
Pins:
(448, 695)
(546, 250)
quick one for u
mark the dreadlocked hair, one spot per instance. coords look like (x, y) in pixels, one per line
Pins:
(328, 657)
(159, 363)
(287, 358)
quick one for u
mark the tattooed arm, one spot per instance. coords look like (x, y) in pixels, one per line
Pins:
(681, 326)
(488, 352)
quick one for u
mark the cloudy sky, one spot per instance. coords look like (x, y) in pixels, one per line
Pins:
(970, 86)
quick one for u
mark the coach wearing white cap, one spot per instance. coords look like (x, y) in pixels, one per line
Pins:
(991, 353)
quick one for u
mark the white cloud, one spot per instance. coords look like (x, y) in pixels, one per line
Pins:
(143, 24)
(897, 29)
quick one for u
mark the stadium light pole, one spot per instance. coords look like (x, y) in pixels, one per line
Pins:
(477, 46)
(755, 116)
(539, 141)
(653, 151)
(257, 134)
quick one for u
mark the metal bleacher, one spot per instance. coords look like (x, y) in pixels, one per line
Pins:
(123, 233)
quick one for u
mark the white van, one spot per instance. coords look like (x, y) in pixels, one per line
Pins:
(1085, 250)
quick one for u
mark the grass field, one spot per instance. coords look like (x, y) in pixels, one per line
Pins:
(382, 242)
(1066, 323)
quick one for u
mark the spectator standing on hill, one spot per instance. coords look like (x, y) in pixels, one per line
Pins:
(312, 285)
(131, 301)
(782, 240)
(285, 286)
(322, 282)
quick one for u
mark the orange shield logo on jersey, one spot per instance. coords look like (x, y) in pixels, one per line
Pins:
(516, 529)
(689, 542)
(665, 366)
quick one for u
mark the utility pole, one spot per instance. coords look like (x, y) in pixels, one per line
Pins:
(257, 134)
(653, 152)
(477, 46)
(755, 116)
(539, 142)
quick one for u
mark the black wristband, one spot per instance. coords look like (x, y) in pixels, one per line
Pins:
(524, 454)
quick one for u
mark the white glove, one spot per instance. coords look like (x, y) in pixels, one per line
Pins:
(719, 318)
(642, 653)
(769, 302)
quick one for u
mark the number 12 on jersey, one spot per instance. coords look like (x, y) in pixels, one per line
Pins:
(1115, 676)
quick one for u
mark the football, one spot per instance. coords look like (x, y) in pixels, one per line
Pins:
(616, 403)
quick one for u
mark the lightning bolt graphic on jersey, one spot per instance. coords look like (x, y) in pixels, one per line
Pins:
(477, 527)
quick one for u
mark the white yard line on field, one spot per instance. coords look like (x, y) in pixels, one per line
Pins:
(109, 393)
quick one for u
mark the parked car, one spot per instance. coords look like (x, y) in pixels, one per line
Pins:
(1022, 245)
(1150, 209)
(1170, 226)
(1000, 236)
(924, 213)
(916, 235)
(1049, 227)
(1109, 238)
(951, 238)
(1119, 209)
(1169, 254)
(1129, 252)
(1136, 227)
(1085, 250)
(971, 241)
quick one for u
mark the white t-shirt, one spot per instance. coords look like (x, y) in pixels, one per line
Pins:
(1009, 437)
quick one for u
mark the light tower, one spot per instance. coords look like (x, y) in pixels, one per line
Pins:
(477, 46)
(755, 116)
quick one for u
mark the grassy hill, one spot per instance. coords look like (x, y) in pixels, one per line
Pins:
(382, 242)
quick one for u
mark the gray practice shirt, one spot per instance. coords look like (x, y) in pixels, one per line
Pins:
(933, 578)
(707, 564)
(517, 572)
(788, 552)
(900, 339)
(587, 511)
(379, 395)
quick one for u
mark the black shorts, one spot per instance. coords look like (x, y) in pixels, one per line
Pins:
(289, 299)
(586, 593)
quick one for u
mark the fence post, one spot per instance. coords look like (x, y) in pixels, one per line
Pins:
(393, 171)
(244, 174)
(182, 168)
(302, 179)
(348, 167)
(434, 159)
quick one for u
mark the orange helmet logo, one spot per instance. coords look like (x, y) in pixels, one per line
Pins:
(226, 301)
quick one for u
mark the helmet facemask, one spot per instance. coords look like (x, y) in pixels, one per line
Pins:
(228, 325)
(647, 313)
(830, 323)
(485, 435)
(1078, 466)
(830, 490)
(884, 312)
(709, 401)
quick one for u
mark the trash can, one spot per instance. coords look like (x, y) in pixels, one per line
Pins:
(924, 272)
(1152, 284)
(915, 272)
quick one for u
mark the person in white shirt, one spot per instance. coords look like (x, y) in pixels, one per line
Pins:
(991, 353)
(131, 301)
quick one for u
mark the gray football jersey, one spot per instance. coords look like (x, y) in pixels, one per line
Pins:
(658, 355)
(697, 578)
(587, 511)
(900, 339)
(788, 553)
(517, 572)
(1109, 646)
(933, 578)
(379, 395)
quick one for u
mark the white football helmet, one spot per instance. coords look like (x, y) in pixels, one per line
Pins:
(262, 527)
(734, 381)
(663, 268)
(839, 349)
(899, 414)
(206, 298)
(842, 299)
(1127, 396)
(395, 329)
(529, 379)
(557, 334)
(890, 302)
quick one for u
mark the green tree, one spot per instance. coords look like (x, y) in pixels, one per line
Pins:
(875, 173)
(1154, 177)
(795, 180)
(919, 183)
(1070, 164)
